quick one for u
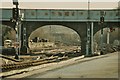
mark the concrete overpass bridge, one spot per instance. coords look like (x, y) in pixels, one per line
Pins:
(74, 19)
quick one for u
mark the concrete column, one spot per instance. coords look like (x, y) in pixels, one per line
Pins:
(88, 42)
(92, 51)
(23, 39)
(108, 35)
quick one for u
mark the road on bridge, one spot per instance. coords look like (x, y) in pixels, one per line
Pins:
(106, 67)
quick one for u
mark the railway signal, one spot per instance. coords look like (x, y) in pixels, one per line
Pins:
(102, 13)
(102, 19)
(15, 13)
(16, 19)
(15, 2)
(112, 29)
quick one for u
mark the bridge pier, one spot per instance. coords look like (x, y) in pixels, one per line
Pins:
(83, 46)
(24, 40)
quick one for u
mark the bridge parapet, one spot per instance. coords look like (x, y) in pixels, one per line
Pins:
(62, 15)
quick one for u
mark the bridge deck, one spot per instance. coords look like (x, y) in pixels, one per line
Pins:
(61, 15)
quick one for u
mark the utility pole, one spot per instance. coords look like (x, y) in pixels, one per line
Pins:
(88, 31)
(89, 44)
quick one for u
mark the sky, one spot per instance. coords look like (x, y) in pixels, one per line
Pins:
(61, 4)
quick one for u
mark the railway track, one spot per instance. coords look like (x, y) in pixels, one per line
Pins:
(56, 56)
(21, 65)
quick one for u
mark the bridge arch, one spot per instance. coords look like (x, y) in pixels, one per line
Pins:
(56, 33)
(7, 32)
(98, 27)
(106, 25)
(113, 35)
(79, 27)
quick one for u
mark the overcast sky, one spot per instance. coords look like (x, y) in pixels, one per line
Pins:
(61, 4)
